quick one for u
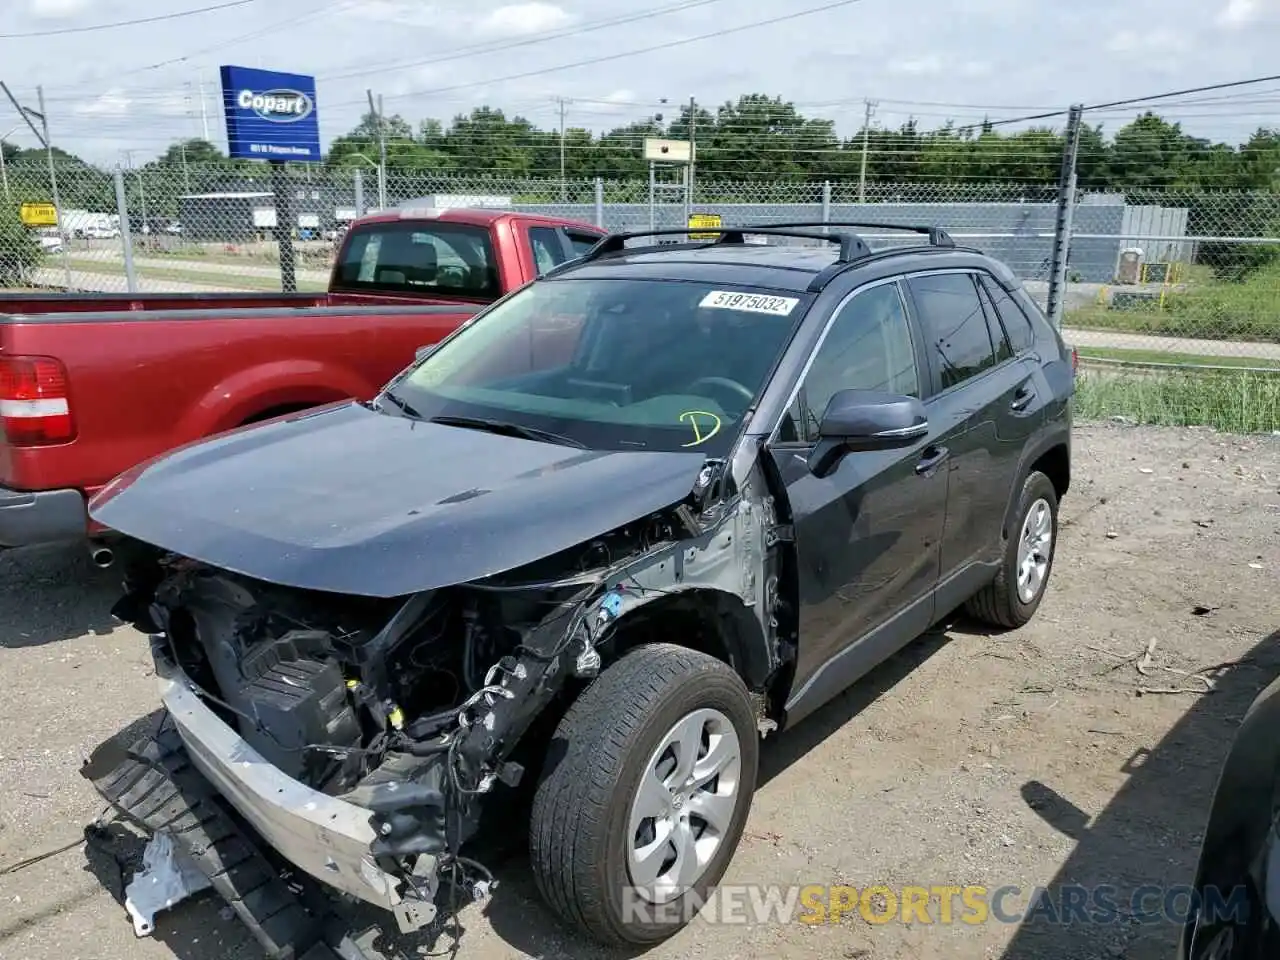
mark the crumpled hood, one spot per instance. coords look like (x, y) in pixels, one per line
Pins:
(350, 500)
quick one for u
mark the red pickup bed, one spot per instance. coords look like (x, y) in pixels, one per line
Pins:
(92, 385)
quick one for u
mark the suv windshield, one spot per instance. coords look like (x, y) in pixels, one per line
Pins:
(446, 259)
(610, 364)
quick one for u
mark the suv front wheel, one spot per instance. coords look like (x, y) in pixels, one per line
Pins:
(1014, 596)
(646, 789)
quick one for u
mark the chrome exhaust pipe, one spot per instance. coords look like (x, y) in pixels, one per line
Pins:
(102, 557)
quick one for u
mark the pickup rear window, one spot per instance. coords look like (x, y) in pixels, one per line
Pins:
(439, 259)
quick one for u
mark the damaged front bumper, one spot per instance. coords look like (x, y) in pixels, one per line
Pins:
(327, 837)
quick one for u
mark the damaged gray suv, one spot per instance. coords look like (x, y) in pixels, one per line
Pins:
(588, 549)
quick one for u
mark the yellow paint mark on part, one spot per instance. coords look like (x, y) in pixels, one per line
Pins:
(712, 427)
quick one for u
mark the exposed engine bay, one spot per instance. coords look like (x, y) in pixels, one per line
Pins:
(411, 708)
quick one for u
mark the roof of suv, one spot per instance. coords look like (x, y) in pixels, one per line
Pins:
(790, 268)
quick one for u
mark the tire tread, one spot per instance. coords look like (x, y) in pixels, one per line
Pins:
(573, 802)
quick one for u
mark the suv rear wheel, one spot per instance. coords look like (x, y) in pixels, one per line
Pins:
(1012, 599)
(647, 786)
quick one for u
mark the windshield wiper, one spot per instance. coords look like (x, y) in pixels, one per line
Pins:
(402, 404)
(508, 428)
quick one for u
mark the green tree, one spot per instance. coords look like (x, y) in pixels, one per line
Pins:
(19, 250)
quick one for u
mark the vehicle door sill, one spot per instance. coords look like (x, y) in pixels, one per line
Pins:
(860, 657)
(865, 654)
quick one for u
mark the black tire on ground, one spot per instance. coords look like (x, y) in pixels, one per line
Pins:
(579, 826)
(998, 603)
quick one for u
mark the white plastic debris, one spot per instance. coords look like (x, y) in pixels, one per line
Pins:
(168, 876)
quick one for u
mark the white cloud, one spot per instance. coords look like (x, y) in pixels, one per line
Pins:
(975, 68)
(406, 13)
(113, 103)
(524, 18)
(1239, 12)
(917, 66)
(58, 9)
(1160, 41)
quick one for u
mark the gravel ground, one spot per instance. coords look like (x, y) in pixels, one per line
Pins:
(1028, 759)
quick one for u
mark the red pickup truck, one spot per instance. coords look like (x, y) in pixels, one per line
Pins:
(92, 385)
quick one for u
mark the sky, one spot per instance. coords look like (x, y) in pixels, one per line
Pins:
(137, 87)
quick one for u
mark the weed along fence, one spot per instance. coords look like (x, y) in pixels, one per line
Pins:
(1172, 298)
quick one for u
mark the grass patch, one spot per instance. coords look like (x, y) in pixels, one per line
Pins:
(204, 278)
(1238, 402)
(1243, 310)
(1165, 356)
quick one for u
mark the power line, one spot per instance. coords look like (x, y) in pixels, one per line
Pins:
(491, 47)
(620, 56)
(457, 53)
(1132, 101)
(124, 23)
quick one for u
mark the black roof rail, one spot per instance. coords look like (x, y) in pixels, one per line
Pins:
(852, 246)
(937, 236)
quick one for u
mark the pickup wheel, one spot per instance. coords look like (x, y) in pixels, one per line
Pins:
(1012, 599)
(645, 792)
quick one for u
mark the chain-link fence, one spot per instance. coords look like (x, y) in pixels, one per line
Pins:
(1171, 298)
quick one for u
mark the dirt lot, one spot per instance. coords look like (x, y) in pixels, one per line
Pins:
(1026, 759)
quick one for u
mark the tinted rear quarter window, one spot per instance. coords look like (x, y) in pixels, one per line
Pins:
(547, 252)
(955, 326)
(1015, 322)
(581, 242)
(994, 327)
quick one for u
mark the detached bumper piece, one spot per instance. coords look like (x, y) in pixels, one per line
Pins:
(156, 788)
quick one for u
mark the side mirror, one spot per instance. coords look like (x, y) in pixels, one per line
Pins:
(423, 352)
(863, 420)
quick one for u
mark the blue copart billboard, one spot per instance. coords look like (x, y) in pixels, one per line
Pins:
(270, 115)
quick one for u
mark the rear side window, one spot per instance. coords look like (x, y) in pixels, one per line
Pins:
(547, 252)
(1015, 322)
(955, 326)
(581, 242)
(994, 328)
(431, 258)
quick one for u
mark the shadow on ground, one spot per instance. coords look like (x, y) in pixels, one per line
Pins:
(517, 915)
(54, 593)
(1149, 834)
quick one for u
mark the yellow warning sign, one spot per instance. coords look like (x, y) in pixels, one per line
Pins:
(704, 220)
(39, 214)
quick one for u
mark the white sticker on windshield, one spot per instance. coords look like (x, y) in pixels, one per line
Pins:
(749, 302)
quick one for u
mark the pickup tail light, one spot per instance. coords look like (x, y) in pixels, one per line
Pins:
(1075, 360)
(35, 408)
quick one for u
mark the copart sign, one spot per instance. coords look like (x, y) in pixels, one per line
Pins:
(270, 115)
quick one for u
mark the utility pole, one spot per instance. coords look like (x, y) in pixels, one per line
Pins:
(382, 150)
(186, 174)
(869, 112)
(693, 149)
(1065, 214)
(42, 135)
(204, 110)
(564, 187)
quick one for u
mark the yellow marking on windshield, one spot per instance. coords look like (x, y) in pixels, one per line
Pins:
(691, 417)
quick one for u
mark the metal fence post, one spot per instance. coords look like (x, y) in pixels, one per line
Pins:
(359, 191)
(826, 201)
(1063, 218)
(126, 236)
(653, 189)
(600, 202)
(286, 220)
